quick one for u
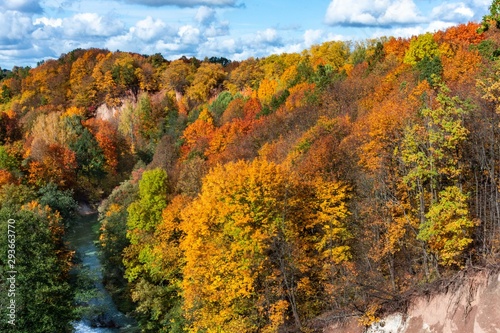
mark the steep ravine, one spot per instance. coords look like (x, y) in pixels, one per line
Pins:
(99, 313)
(469, 306)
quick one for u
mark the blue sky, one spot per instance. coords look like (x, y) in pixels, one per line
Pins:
(33, 30)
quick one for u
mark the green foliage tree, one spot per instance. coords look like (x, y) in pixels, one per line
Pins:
(113, 240)
(58, 200)
(432, 151)
(7, 161)
(43, 296)
(123, 72)
(220, 104)
(89, 155)
(492, 17)
(148, 127)
(157, 297)
(448, 226)
(430, 69)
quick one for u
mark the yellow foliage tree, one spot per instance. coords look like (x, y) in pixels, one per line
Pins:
(266, 91)
(334, 54)
(298, 95)
(258, 245)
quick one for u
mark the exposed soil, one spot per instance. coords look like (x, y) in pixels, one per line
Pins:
(470, 304)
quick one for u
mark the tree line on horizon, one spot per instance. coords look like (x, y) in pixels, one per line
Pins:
(264, 195)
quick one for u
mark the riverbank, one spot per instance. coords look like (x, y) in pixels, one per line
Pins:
(96, 308)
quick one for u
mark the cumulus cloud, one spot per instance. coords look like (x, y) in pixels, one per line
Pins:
(153, 35)
(269, 36)
(416, 30)
(219, 47)
(453, 12)
(185, 3)
(15, 27)
(79, 26)
(210, 26)
(384, 13)
(205, 15)
(260, 44)
(24, 6)
(184, 40)
(217, 30)
(27, 54)
(150, 29)
(312, 37)
(480, 4)
(142, 36)
(400, 13)
(199, 29)
(50, 22)
(189, 35)
(91, 24)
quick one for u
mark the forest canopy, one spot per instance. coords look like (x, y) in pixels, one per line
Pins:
(257, 195)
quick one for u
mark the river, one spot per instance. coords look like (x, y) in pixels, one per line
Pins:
(96, 305)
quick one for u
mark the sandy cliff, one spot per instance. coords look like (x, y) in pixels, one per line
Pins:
(472, 305)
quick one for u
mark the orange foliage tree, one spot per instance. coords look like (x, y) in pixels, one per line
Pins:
(198, 134)
(298, 95)
(54, 164)
(253, 246)
(107, 138)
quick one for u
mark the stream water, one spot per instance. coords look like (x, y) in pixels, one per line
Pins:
(99, 312)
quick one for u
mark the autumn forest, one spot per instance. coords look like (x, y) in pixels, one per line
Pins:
(264, 195)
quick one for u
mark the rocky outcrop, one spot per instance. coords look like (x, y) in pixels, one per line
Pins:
(85, 209)
(110, 114)
(470, 305)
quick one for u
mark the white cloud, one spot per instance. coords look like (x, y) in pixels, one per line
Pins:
(91, 25)
(168, 47)
(205, 15)
(15, 27)
(219, 47)
(189, 35)
(142, 37)
(150, 29)
(26, 53)
(25, 6)
(453, 12)
(372, 13)
(53, 36)
(185, 3)
(484, 4)
(221, 29)
(312, 37)
(438, 25)
(407, 32)
(401, 12)
(51, 22)
(268, 36)
(209, 24)
(198, 27)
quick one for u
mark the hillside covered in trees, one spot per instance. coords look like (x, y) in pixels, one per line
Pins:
(255, 196)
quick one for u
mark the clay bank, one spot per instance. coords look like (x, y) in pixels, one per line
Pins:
(471, 304)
